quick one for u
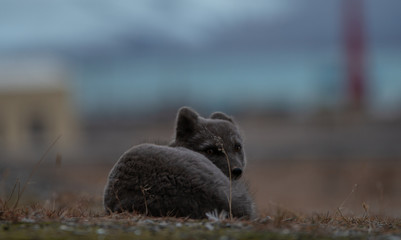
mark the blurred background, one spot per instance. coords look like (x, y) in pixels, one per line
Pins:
(314, 85)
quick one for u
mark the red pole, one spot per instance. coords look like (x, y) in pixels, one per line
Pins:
(355, 48)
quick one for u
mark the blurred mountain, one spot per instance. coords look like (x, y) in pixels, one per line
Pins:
(124, 27)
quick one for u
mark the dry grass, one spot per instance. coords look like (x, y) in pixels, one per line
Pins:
(48, 211)
(280, 219)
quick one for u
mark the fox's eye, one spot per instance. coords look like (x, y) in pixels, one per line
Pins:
(237, 147)
(210, 151)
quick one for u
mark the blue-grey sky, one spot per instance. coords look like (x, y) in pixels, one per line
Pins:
(75, 22)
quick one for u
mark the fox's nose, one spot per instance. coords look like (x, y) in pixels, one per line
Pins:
(236, 172)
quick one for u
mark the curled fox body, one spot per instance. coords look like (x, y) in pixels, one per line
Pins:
(197, 173)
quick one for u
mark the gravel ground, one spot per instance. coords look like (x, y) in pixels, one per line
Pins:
(126, 226)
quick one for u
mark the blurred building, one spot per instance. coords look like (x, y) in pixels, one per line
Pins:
(35, 108)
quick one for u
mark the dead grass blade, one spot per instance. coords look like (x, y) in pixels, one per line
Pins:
(347, 198)
(17, 183)
(230, 212)
(34, 170)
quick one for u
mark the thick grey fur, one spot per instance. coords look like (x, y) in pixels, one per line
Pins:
(187, 178)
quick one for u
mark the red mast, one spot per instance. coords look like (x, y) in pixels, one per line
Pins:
(355, 48)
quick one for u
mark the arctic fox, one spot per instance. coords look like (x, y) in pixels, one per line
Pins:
(187, 178)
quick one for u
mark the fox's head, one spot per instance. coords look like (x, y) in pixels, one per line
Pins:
(216, 137)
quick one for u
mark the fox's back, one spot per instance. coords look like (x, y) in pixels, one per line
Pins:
(156, 177)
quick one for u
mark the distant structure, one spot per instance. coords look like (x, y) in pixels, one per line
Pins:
(353, 11)
(34, 108)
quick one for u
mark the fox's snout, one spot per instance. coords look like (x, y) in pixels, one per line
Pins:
(236, 173)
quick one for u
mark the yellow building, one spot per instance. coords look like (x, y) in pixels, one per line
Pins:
(35, 108)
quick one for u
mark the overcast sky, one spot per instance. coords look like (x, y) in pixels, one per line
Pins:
(77, 23)
(41, 22)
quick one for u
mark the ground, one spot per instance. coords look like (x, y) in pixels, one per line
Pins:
(80, 221)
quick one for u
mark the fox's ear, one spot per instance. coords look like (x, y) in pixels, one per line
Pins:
(222, 116)
(187, 120)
